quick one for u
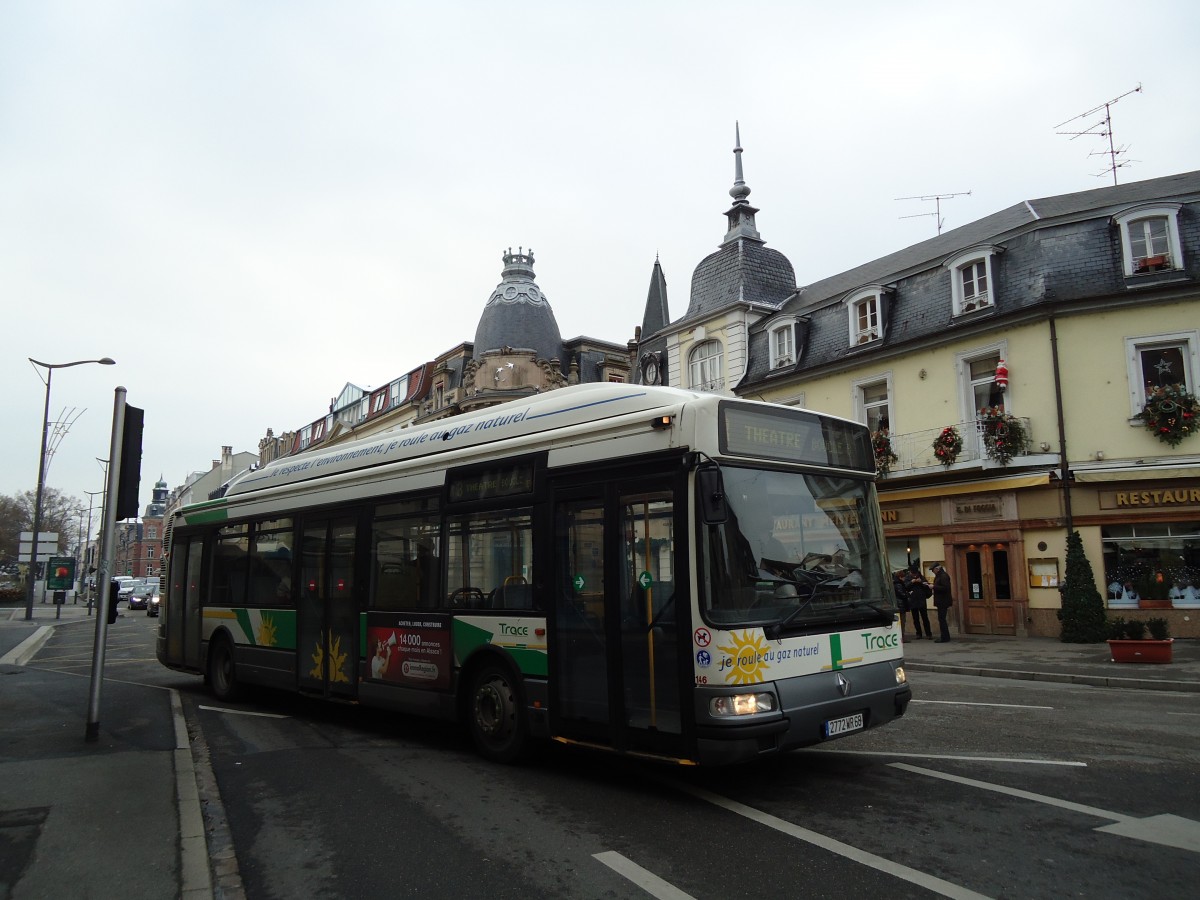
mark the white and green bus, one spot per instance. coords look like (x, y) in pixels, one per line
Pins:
(649, 571)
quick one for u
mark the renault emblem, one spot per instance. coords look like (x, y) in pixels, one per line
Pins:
(843, 684)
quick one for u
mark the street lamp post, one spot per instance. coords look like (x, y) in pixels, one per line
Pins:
(41, 479)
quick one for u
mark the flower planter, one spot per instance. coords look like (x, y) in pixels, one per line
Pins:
(1143, 603)
(1144, 651)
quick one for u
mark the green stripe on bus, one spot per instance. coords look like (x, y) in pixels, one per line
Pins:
(835, 651)
(468, 638)
(206, 516)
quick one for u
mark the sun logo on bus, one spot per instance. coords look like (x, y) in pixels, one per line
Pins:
(267, 634)
(337, 660)
(746, 660)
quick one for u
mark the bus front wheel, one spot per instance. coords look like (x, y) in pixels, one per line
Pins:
(497, 721)
(222, 676)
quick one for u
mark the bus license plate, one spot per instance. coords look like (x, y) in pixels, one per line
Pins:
(844, 725)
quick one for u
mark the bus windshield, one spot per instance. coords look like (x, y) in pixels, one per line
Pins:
(797, 552)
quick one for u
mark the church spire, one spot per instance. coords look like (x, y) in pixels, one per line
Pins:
(741, 214)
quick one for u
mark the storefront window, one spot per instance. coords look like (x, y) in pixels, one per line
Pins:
(1158, 563)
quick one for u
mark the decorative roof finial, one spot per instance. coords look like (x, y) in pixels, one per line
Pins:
(739, 192)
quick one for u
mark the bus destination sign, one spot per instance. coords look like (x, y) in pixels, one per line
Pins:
(794, 436)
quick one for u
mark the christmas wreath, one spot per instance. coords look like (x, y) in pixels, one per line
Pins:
(885, 456)
(1170, 413)
(1003, 435)
(947, 446)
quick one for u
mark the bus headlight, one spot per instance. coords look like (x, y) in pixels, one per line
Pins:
(901, 678)
(740, 705)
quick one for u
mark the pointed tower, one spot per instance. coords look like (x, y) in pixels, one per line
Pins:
(649, 366)
(744, 269)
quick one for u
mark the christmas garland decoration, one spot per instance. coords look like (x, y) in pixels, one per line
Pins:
(1003, 435)
(1170, 413)
(947, 446)
(885, 456)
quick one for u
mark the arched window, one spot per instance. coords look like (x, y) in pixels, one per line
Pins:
(706, 367)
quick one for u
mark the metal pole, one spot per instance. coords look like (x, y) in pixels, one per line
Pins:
(37, 503)
(104, 573)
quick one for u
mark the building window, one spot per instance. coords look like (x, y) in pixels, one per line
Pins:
(379, 402)
(864, 324)
(1159, 360)
(1150, 239)
(783, 346)
(972, 285)
(318, 431)
(705, 364)
(1152, 562)
(149, 553)
(873, 400)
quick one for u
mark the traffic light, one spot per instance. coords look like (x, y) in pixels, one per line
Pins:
(112, 602)
(131, 464)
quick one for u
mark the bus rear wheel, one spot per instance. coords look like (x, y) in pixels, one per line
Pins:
(497, 721)
(222, 676)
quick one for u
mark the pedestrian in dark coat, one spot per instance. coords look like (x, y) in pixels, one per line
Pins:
(901, 590)
(943, 600)
(918, 595)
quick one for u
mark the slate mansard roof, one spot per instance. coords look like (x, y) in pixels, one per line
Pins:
(1054, 250)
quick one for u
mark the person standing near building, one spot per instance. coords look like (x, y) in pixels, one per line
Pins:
(901, 590)
(943, 600)
(918, 595)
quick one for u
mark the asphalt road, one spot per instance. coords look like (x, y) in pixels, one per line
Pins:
(987, 788)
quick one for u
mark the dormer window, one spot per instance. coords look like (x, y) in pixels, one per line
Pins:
(866, 312)
(379, 402)
(783, 345)
(972, 286)
(1150, 239)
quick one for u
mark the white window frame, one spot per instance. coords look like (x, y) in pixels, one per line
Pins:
(1135, 346)
(707, 372)
(782, 342)
(959, 265)
(865, 316)
(968, 414)
(1128, 221)
(861, 406)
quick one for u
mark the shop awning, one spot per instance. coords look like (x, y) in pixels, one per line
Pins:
(1011, 483)
(1137, 473)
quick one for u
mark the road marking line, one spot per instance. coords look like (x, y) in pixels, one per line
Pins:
(965, 703)
(242, 712)
(647, 881)
(913, 876)
(1017, 792)
(1168, 830)
(993, 759)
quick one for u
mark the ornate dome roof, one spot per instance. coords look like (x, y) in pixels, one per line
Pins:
(518, 315)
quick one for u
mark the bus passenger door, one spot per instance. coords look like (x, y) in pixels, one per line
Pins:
(327, 648)
(182, 611)
(614, 654)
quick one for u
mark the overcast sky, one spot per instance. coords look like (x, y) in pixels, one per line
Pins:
(249, 204)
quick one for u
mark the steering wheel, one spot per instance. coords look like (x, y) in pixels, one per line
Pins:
(466, 597)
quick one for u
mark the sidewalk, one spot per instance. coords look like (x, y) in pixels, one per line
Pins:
(1048, 659)
(117, 817)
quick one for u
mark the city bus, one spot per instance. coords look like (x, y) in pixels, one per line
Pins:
(650, 571)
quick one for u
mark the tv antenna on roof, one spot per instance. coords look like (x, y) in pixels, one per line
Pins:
(936, 198)
(1103, 129)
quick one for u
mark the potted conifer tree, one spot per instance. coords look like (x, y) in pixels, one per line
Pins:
(1082, 613)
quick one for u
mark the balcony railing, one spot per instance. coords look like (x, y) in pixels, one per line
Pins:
(914, 449)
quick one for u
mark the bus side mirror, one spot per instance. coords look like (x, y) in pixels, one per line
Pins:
(713, 508)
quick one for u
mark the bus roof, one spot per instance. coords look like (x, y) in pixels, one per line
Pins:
(554, 410)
